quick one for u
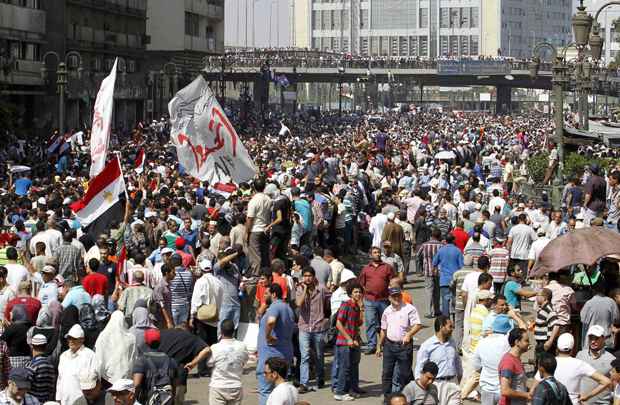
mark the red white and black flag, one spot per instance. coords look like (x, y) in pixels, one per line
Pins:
(139, 164)
(104, 202)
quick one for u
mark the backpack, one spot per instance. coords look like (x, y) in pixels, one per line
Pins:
(87, 318)
(559, 397)
(158, 387)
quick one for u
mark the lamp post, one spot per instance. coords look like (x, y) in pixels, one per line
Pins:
(558, 80)
(61, 80)
(341, 71)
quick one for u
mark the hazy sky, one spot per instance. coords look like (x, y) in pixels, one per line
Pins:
(235, 25)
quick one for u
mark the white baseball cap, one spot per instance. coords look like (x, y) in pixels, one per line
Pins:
(39, 340)
(346, 275)
(596, 330)
(75, 332)
(566, 341)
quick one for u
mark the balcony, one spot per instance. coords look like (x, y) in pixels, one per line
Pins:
(196, 43)
(24, 72)
(215, 12)
(124, 7)
(22, 19)
(204, 8)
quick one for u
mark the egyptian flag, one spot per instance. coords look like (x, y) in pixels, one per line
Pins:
(104, 203)
(139, 164)
(224, 189)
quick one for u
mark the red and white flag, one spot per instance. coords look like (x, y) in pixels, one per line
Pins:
(225, 190)
(102, 122)
(207, 144)
(104, 202)
(139, 164)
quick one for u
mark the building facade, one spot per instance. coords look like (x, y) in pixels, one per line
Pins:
(180, 40)
(22, 39)
(431, 28)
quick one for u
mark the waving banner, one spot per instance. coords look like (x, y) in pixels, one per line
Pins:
(102, 122)
(207, 144)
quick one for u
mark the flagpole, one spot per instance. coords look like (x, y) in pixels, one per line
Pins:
(120, 166)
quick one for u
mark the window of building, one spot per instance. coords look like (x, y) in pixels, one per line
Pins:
(423, 45)
(474, 17)
(473, 49)
(464, 45)
(443, 45)
(97, 63)
(423, 18)
(465, 12)
(413, 46)
(192, 24)
(444, 17)
(364, 19)
(385, 46)
(454, 45)
(455, 18)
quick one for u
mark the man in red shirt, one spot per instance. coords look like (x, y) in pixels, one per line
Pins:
(375, 279)
(460, 236)
(24, 297)
(512, 378)
(94, 283)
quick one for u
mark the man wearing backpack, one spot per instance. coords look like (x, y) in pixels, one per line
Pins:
(154, 372)
(549, 391)
(228, 359)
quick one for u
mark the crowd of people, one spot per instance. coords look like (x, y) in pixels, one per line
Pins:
(316, 252)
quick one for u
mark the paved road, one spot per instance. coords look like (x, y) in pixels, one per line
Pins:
(370, 367)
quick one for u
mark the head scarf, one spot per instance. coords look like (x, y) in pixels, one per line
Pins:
(115, 349)
(19, 314)
(101, 312)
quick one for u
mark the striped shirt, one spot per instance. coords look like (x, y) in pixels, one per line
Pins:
(476, 319)
(349, 316)
(499, 258)
(545, 321)
(428, 250)
(43, 383)
(457, 282)
(181, 287)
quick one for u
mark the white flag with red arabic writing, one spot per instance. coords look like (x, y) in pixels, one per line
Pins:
(102, 122)
(207, 144)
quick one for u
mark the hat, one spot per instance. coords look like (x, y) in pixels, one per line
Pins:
(566, 341)
(394, 290)
(48, 269)
(166, 251)
(597, 222)
(484, 295)
(205, 264)
(150, 214)
(500, 239)
(502, 324)
(67, 201)
(346, 275)
(21, 377)
(535, 225)
(88, 380)
(579, 216)
(596, 330)
(521, 205)
(41, 201)
(75, 332)
(391, 216)
(179, 242)
(152, 335)
(38, 340)
(121, 385)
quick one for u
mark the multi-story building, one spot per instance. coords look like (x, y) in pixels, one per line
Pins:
(607, 18)
(22, 36)
(430, 28)
(181, 36)
(93, 33)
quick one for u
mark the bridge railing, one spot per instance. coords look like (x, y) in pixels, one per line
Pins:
(326, 61)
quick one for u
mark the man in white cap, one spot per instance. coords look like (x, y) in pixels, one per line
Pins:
(92, 390)
(43, 372)
(599, 358)
(207, 292)
(76, 359)
(48, 291)
(123, 392)
(538, 245)
(571, 371)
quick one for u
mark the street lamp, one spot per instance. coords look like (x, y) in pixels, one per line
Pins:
(558, 80)
(341, 71)
(61, 80)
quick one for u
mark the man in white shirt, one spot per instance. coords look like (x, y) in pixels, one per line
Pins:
(537, 246)
(257, 220)
(570, 371)
(77, 359)
(520, 239)
(284, 393)
(228, 357)
(16, 272)
(556, 227)
(207, 291)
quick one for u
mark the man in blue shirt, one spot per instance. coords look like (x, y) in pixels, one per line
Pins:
(22, 185)
(275, 338)
(441, 350)
(447, 261)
